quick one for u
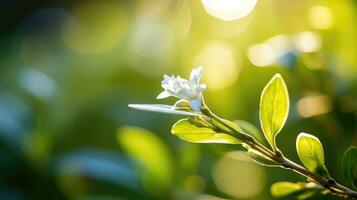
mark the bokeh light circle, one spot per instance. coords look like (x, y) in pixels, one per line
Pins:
(229, 10)
(98, 28)
(307, 42)
(222, 65)
(238, 176)
(320, 17)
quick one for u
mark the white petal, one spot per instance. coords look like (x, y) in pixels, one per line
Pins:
(201, 87)
(195, 104)
(166, 77)
(163, 95)
(196, 75)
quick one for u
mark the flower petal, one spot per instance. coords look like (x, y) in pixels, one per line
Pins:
(163, 95)
(196, 74)
(195, 104)
(201, 87)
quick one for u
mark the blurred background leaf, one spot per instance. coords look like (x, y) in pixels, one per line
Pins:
(152, 155)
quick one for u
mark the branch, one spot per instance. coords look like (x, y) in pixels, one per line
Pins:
(329, 184)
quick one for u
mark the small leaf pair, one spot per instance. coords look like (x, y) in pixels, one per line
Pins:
(274, 110)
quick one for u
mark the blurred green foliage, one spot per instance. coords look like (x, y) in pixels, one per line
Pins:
(69, 69)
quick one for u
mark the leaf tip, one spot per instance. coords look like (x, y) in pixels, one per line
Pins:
(301, 134)
(135, 106)
(277, 75)
(307, 135)
(132, 105)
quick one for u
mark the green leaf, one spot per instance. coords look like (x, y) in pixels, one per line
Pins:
(191, 132)
(274, 108)
(300, 190)
(311, 152)
(283, 189)
(220, 126)
(152, 155)
(249, 128)
(162, 109)
(260, 159)
(349, 165)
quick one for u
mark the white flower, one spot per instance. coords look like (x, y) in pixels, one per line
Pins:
(189, 90)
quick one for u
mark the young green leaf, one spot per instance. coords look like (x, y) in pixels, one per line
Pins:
(161, 109)
(311, 152)
(349, 165)
(283, 189)
(191, 132)
(218, 125)
(274, 108)
(300, 190)
(251, 129)
(260, 159)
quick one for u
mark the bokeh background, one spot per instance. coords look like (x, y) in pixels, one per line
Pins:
(68, 70)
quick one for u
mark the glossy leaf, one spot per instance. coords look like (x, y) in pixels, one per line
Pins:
(160, 108)
(283, 189)
(311, 152)
(191, 132)
(299, 190)
(349, 165)
(274, 108)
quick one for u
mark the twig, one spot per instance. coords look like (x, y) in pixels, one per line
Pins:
(330, 185)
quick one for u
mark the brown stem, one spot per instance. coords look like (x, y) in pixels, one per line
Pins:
(330, 185)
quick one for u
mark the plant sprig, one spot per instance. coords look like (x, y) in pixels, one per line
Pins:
(203, 126)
